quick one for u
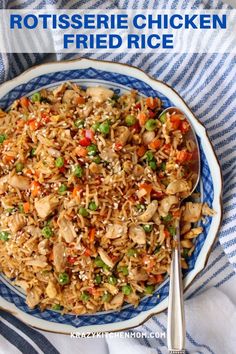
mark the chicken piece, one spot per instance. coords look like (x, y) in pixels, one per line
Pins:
(186, 243)
(105, 258)
(177, 186)
(122, 134)
(51, 290)
(59, 256)
(149, 212)
(16, 222)
(3, 184)
(66, 229)
(137, 234)
(148, 137)
(40, 262)
(115, 303)
(22, 283)
(138, 274)
(43, 247)
(19, 182)
(193, 233)
(138, 170)
(108, 154)
(207, 211)
(133, 299)
(59, 90)
(95, 168)
(111, 288)
(33, 297)
(115, 231)
(192, 212)
(99, 94)
(156, 219)
(70, 96)
(166, 204)
(185, 227)
(33, 231)
(46, 205)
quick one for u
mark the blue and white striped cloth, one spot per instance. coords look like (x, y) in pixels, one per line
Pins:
(208, 84)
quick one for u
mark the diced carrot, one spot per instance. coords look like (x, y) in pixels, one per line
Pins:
(80, 100)
(81, 151)
(35, 188)
(155, 144)
(141, 150)
(148, 262)
(167, 148)
(159, 278)
(152, 102)
(146, 186)
(166, 233)
(184, 126)
(45, 117)
(175, 121)
(24, 101)
(183, 156)
(76, 191)
(33, 124)
(87, 252)
(142, 117)
(26, 207)
(176, 213)
(8, 159)
(92, 233)
(71, 259)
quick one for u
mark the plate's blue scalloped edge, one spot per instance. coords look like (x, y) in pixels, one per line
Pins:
(121, 82)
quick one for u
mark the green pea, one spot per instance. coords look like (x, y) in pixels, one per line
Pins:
(131, 252)
(140, 207)
(163, 118)
(153, 165)
(163, 166)
(47, 232)
(57, 307)
(130, 120)
(151, 124)
(99, 262)
(78, 171)
(59, 162)
(167, 218)
(79, 123)
(149, 156)
(104, 128)
(92, 149)
(83, 212)
(93, 206)
(85, 296)
(97, 159)
(126, 289)
(32, 152)
(98, 278)
(148, 228)
(62, 189)
(172, 230)
(21, 208)
(106, 297)
(124, 270)
(2, 138)
(149, 289)
(9, 210)
(63, 278)
(112, 280)
(36, 97)
(19, 167)
(185, 252)
(4, 236)
(96, 126)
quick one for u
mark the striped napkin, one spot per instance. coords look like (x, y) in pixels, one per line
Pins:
(208, 84)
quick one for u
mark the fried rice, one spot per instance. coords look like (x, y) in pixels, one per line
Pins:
(90, 185)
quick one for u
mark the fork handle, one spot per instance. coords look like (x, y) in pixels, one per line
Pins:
(176, 320)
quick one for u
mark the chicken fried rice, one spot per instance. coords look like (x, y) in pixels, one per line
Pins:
(90, 184)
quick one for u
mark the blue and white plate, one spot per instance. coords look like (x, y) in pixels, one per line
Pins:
(120, 78)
